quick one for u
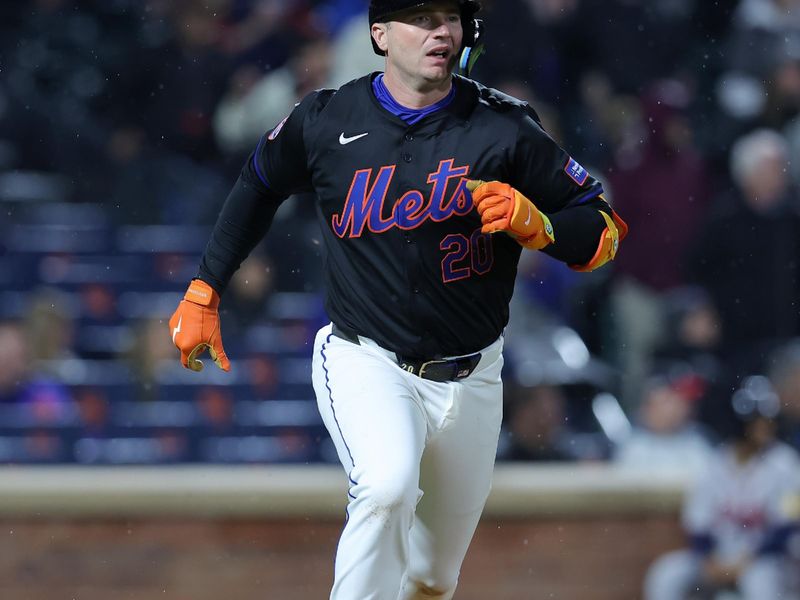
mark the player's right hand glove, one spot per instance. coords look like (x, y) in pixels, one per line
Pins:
(195, 327)
(502, 208)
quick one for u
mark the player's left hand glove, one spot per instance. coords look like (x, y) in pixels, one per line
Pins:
(502, 208)
(195, 327)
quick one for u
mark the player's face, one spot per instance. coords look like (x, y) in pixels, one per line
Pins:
(423, 43)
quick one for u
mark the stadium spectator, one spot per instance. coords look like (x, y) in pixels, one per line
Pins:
(19, 382)
(666, 436)
(255, 102)
(747, 256)
(692, 336)
(668, 210)
(146, 357)
(536, 425)
(352, 52)
(692, 332)
(50, 326)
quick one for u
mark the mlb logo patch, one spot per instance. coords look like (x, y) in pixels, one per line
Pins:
(576, 172)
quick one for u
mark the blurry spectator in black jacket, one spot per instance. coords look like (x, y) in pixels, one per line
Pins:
(536, 425)
(693, 330)
(663, 184)
(692, 335)
(748, 254)
(539, 425)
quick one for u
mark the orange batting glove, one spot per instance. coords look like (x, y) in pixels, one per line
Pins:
(502, 208)
(195, 326)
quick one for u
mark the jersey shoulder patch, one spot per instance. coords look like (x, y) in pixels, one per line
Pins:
(576, 172)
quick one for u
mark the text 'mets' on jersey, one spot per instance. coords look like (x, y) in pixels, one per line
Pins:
(407, 264)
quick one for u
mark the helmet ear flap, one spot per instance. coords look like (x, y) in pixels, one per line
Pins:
(472, 47)
(473, 30)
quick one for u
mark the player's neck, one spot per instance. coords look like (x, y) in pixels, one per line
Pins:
(415, 94)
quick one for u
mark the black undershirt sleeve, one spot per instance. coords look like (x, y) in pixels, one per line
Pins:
(242, 223)
(577, 232)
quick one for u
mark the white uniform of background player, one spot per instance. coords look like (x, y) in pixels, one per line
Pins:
(740, 515)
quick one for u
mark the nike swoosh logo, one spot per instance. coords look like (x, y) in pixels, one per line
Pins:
(177, 329)
(344, 140)
(528, 220)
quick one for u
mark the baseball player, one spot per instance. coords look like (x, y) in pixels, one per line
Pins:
(741, 515)
(428, 186)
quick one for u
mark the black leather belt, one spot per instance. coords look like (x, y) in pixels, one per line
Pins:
(440, 370)
(451, 369)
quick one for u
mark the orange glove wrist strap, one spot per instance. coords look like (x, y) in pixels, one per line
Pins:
(201, 293)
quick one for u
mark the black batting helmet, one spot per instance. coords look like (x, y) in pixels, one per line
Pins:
(380, 9)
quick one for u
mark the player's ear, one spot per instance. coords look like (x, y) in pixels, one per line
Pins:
(379, 33)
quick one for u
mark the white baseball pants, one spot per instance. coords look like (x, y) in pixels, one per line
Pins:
(419, 456)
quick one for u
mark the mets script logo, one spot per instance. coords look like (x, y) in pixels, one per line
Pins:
(363, 207)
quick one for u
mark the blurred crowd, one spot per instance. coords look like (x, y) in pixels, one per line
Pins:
(123, 123)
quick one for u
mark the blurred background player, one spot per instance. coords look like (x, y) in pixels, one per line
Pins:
(741, 512)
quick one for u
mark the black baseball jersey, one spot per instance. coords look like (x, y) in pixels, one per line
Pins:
(407, 264)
